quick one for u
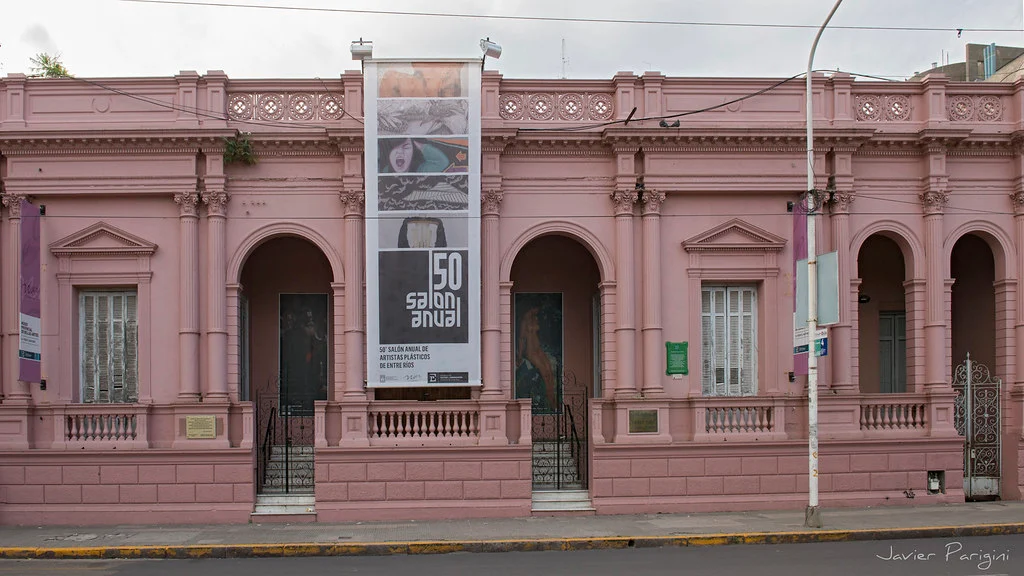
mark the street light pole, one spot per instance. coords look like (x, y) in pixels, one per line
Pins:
(812, 517)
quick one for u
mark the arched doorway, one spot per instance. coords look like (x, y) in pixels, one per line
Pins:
(882, 317)
(286, 356)
(974, 332)
(555, 344)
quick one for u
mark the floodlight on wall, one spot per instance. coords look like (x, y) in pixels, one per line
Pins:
(361, 49)
(492, 49)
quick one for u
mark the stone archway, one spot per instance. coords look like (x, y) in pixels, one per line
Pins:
(882, 316)
(555, 338)
(286, 353)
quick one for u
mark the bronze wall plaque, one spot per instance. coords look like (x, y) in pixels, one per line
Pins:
(200, 427)
(643, 421)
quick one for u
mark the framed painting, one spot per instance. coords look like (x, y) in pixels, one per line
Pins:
(539, 350)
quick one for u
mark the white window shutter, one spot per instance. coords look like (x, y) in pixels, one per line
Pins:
(87, 351)
(131, 348)
(109, 346)
(707, 369)
(729, 336)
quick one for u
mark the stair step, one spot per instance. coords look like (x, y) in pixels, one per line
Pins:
(563, 507)
(274, 510)
(286, 499)
(279, 490)
(561, 501)
(561, 496)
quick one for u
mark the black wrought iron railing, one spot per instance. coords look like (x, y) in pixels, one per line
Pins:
(267, 444)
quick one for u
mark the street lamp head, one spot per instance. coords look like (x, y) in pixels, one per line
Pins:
(492, 49)
(361, 49)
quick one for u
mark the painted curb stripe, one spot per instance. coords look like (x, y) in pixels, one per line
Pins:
(511, 545)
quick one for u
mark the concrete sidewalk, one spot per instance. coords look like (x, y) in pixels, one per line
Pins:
(509, 534)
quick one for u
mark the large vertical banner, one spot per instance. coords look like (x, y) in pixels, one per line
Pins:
(29, 339)
(422, 148)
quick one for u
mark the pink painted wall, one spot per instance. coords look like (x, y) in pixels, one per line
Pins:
(90, 154)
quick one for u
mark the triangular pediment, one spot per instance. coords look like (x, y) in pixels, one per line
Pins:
(102, 238)
(736, 235)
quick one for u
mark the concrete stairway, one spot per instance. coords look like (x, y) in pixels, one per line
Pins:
(554, 467)
(562, 501)
(294, 463)
(557, 488)
(284, 505)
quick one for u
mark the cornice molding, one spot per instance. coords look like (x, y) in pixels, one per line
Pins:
(45, 143)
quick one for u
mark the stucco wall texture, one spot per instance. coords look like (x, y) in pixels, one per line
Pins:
(923, 201)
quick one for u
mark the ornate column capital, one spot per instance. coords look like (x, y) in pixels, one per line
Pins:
(188, 203)
(934, 201)
(13, 204)
(1017, 198)
(354, 201)
(841, 202)
(216, 203)
(624, 201)
(490, 202)
(652, 201)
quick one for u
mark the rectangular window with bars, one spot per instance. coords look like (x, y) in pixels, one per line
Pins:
(108, 338)
(729, 338)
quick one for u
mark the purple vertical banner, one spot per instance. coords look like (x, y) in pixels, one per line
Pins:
(29, 340)
(799, 253)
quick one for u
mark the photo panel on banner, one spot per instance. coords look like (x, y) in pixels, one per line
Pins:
(422, 223)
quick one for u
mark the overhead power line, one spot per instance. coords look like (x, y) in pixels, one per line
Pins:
(566, 19)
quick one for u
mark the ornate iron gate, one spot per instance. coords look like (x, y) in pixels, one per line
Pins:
(976, 417)
(560, 455)
(284, 455)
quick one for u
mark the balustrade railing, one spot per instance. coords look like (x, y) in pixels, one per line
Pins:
(455, 422)
(893, 412)
(745, 416)
(101, 425)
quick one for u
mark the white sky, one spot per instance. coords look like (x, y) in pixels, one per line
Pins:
(105, 38)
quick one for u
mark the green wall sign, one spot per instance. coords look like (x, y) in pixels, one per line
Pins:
(676, 358)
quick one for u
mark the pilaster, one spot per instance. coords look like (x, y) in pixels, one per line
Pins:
(842, 366)
(188, 296)
(355, 332)
(15, 391)
(625, 332)
(493, 405)
(216, 200)
(934, 202)
(653, 372)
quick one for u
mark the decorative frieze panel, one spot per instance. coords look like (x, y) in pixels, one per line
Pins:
(563, 107)
(883, 108)
(285, 107)
(975, 108)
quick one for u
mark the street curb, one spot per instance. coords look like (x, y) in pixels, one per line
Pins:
(512, 545)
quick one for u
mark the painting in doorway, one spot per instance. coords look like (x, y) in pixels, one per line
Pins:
(538, 353)
(304, 351)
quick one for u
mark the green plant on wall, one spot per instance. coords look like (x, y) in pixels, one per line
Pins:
(239, 149)
(48, 66)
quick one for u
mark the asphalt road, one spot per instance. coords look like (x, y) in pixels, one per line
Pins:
(991, 555)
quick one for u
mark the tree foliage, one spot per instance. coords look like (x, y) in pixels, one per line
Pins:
(46, 66)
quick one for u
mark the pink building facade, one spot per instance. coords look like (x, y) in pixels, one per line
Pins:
(164, 271)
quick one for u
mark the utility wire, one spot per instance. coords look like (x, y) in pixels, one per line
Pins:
(958, 29)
